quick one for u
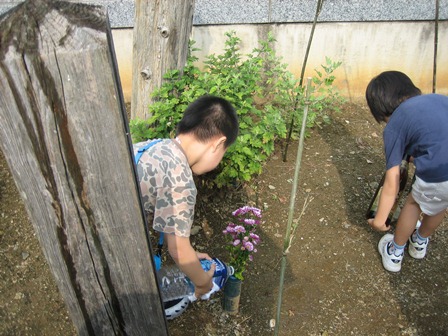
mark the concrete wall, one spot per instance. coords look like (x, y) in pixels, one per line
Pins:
(367, 36)
(365, 49)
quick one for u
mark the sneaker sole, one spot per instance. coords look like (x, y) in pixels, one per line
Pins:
(389, 266)
(414, 253)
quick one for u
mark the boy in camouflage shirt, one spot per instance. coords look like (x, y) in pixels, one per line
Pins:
(208, 127)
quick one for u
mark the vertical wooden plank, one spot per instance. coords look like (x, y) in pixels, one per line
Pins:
(64, 134)
(162, 31)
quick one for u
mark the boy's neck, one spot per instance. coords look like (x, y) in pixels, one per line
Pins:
(192, 148)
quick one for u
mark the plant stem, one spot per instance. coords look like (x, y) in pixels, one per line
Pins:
(305, 60)
(292, 204)
(294, 227)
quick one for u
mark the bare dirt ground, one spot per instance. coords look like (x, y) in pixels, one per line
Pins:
(334, 285)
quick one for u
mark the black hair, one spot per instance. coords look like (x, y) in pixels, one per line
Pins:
(210, 116)
(387, 91)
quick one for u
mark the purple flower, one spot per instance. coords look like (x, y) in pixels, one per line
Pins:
(255, 237)
(240, 229)
(243, 240)
(249, 246)
(256, 212)
(245, 209)
(229, 229)
(238, 211)
(250, 221)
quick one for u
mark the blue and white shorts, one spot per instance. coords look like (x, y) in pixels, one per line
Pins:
(432, 197)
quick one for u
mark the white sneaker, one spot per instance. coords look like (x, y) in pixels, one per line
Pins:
(391, 262)
(416, 250)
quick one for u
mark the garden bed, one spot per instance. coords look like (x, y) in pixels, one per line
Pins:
(334, 284)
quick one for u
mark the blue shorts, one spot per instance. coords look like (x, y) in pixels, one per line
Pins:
(431, 197)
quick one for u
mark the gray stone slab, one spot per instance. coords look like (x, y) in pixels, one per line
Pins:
(231, 12)
(352, 10)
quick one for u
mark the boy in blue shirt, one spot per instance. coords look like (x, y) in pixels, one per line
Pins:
(417, 125)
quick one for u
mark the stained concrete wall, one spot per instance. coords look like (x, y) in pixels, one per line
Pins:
(367, 36)
(365, 49)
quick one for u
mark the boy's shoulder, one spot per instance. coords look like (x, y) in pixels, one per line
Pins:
(155, 145)
(142, 144)
(427, 98)
(426, 102)
(164, 152)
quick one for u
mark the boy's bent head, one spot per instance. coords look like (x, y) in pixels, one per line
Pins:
(209, 117)
(387, 91)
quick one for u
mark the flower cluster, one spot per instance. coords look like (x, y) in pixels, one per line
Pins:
(243, 239)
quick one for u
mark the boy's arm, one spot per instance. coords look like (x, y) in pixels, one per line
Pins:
(186, 258)
(387, 199)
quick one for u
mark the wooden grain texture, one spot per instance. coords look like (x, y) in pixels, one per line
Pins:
(161, 33)
(64, 134)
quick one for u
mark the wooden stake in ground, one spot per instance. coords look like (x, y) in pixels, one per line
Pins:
(161, 33)
(64, 135)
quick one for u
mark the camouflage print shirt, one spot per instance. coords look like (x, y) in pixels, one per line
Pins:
(167, 187)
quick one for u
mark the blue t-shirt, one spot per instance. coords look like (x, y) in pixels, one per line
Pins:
(419, 127)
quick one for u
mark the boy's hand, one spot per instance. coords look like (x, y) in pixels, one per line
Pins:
(378, 227)
(201, 290)
(203, 256)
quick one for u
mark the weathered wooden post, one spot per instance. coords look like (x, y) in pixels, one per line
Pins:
(64, 134)
(161, 33)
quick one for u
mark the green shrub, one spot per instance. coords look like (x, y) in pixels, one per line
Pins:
(258, 85)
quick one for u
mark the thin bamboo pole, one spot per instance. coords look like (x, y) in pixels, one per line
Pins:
(305, 60)
(436, 42)
(287, 240)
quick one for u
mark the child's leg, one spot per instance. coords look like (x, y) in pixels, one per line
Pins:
(430, 224)
(430, 198)
(433, 201)
(418, 242)
(406, 222)
(391, 247)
